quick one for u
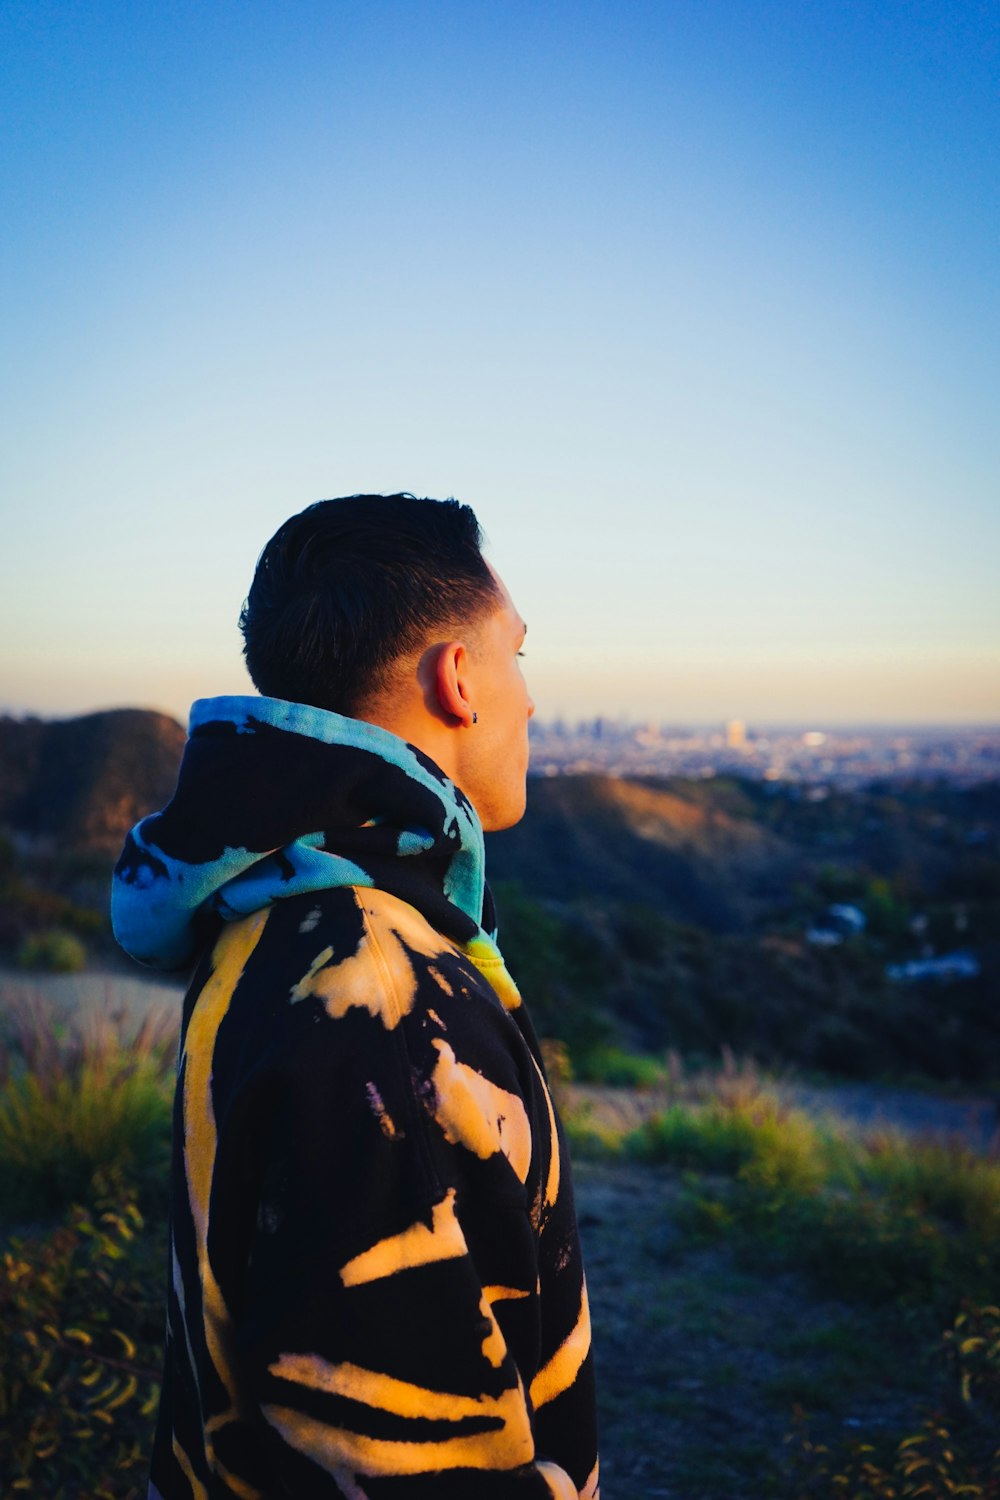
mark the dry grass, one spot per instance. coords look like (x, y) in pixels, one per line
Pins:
(78, 1095)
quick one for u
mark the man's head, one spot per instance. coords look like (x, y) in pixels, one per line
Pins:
(383, 608)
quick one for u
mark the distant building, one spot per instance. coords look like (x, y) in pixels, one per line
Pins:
(849, 919)
(823, 937)
(838, 922)
(950, 966)
(817, 761)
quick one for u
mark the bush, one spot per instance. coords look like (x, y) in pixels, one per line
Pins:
(711, 1139)
(78, 1100)
(79, 1362)
(865, 1249)
(588, 1139)
(947, 1180)
(617, 1068)
(773, 1150)
(878, 1220)
(54, 950)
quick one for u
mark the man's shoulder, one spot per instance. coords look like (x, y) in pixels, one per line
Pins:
(354, 949)
(389, 919)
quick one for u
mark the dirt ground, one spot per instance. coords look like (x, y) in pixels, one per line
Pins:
(700, 1359)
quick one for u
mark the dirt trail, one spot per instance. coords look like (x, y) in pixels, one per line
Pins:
(702, 1355)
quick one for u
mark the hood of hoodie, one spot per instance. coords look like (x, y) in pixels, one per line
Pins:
(277, 799)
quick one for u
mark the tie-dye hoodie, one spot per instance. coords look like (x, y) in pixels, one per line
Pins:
(376, 1289)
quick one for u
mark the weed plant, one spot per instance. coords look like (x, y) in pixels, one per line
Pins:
(956, 1450)
(859, 1244)
(82, 1316)
(945, 1180)
(763, 1144)
(78, 1097)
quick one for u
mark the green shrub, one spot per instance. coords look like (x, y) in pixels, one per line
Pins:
(865, 1249)
(589, 1140)
(76, 1100)
(712, 1139)
(54, 950)
(79, 1362)
(947, 1180)
(772, 1149)
(877, 1220)
(858, 1246)
(616, 1068)
(791, 1158)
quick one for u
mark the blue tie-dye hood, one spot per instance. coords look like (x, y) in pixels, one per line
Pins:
(275, 799)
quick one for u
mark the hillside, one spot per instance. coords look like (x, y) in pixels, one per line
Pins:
(693, 854)
(696, 915)
(81, 783)
(645, 913)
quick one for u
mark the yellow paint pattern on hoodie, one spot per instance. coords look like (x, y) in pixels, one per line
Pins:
(508, 1445)
(416, 1246)
(478, 1114)
(229, 959)
(379, 976)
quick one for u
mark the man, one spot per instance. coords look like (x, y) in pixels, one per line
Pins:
(376, 1288)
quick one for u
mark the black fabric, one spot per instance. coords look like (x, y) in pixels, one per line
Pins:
(376, 1287)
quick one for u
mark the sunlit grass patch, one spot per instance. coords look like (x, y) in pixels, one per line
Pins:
(944, 1179)
(875, 1219)
(618, 1068)
(78, 1097)
(588, 1139)
(757, 1139)
(777, 1149)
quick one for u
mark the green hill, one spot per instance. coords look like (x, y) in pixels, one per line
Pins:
(671, 913)
(645, 914)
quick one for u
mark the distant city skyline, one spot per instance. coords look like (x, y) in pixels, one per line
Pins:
(842, 757)
(699, 307)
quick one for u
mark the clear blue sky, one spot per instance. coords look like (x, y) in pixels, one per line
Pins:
(697, 303)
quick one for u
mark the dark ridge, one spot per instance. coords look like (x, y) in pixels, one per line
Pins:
(81, 783)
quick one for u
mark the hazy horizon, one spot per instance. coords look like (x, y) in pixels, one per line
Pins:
(672, 724)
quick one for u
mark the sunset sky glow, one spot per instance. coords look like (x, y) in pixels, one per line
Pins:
(697, 305)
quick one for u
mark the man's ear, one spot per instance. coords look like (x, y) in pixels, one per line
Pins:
(451, 683)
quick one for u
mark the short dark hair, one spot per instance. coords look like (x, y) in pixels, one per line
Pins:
(347, 586)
